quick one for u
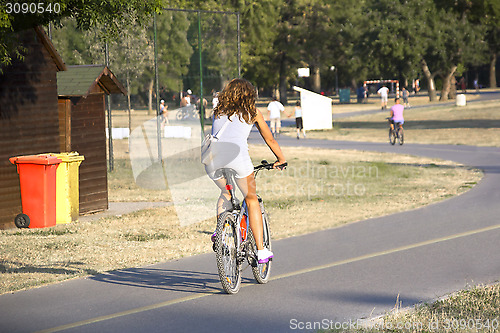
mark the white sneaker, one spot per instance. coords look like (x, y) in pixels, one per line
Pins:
(264, 256)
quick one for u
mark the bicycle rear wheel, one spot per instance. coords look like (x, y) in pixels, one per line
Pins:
(226, 253)
(262, 272)
(392, 136)
(180, 114)
(401, 136)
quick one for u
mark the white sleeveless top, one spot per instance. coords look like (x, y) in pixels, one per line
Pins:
(236, 132)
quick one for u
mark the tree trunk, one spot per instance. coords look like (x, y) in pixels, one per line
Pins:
(150, 96)
(453, 90)
(354, 84)
(447, 84)
(316, 79)
(493, 72)
(283, 78)
(430, 80)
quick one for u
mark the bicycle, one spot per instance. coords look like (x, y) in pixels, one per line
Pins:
(187, 112)
(395, 134)
(234, 241)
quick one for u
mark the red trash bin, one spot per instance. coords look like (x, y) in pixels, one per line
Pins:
(37, 176)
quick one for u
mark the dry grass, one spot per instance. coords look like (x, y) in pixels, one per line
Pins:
(344, 186)
(476, 124)
(470, 310)
(79, 249)
(386, 183)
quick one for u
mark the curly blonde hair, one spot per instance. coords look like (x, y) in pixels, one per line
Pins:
(238, 97)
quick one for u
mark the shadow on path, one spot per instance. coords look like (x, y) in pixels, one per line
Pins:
(164, 279)
(372, 298)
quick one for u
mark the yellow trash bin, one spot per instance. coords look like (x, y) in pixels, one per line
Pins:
(67, 187)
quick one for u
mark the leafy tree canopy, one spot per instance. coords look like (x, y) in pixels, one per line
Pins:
(113, 13)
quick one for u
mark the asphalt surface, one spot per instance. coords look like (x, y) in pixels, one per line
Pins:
(328, 278)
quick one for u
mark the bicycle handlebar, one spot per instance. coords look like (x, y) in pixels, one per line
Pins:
(268, 166)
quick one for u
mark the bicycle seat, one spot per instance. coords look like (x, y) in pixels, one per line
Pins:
(225, 171)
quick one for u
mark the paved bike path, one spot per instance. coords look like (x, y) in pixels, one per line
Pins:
(349, 272)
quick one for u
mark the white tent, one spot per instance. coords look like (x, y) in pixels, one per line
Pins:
(316, 110)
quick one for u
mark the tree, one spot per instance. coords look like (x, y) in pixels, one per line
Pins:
(485, 13)
(174, 52)
(115, 14)
(132, 53)
(129, 56)
(457, 41)
(258, 19)
(219, 50)
(286, 55)
(491, 20)
(423, 32)
(310, 31)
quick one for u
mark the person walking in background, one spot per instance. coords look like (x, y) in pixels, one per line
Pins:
(405, 94)
(463, 85)
(417, 86)
(298, 120)
(476, 85)
(185, 100)
(163, 114)
(215, 100)
(199, 105)
(384, 95)
(275, 108)
(361, 93)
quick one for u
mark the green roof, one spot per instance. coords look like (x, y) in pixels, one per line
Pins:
(80, 80)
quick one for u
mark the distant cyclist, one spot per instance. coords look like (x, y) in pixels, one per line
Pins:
(397, 114)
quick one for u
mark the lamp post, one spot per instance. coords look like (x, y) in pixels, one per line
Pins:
(333, 68)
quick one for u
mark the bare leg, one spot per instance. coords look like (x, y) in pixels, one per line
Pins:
(248, 188)
(223, 203)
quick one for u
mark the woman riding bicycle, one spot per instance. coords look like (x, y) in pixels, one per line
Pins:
(237, 105)
(397, 114)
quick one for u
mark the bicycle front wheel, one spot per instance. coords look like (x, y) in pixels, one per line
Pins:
(180, 115)
(226, 254)
(392, 136)
(262, 272)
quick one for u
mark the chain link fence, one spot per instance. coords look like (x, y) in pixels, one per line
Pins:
(172, 69)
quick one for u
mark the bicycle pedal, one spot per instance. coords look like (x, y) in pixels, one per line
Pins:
(252, 260)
